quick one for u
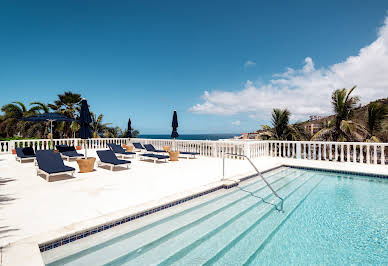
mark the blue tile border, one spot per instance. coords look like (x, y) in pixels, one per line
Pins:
(91, 231)
(337, 171)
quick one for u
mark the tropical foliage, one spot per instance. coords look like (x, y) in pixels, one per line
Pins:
(343, 126)
(67, 104)
(281, 129)
(376, 115)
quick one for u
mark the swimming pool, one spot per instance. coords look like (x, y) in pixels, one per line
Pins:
(328, 218)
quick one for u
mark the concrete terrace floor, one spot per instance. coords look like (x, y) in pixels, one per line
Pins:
(30, 205)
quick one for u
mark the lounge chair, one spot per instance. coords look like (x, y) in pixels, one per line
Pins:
(151, 148)
(51, 163)
(138, 146)
(188, 155)
(23, 154)
(119, 151)
(154, 157)
(68, 152)
(109, 158)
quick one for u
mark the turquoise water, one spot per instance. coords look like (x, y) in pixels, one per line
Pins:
(329, 219)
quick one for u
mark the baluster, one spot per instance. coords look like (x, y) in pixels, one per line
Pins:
(314, 151)
(348, 153)
(361, 153)
(330, 151)
(324, 147)
(382, 154)
(288, 149)
(368, 154)
(342, 152)
(375, 154)
(319, 152)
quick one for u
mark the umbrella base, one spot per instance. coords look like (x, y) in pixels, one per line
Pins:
(167, 148)
(86, 165)
(173, 155)
(129, 148)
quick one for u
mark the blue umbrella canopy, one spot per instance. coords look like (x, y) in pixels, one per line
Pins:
(51, 117)
(85, 119)
(48, 117)
(174, 124)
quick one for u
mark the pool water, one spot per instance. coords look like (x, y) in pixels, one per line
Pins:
(328, 218)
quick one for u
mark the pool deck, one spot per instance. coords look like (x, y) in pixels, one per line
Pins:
(33, 208)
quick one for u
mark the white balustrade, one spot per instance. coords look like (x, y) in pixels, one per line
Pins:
(350, 152)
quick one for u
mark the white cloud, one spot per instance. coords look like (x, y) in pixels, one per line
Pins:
(307, 90)
(236, 123)
(249, 63)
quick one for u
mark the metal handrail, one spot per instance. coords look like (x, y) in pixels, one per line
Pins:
(258, 172)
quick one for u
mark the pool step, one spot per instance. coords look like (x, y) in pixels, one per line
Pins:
(194, 235)
(248, 245)
(212, 244)
(137, 242)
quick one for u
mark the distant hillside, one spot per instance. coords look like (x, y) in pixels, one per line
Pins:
(361, 117)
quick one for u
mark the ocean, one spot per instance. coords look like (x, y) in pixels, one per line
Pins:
(191, 136)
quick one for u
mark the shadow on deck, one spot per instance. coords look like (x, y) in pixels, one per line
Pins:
(5, 230)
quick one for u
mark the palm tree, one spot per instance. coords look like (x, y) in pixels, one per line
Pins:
(68, 104)
(40, 107)
(281, 130)
(74, 127)
(113, 132)
(343, 105)
(376, 114)
(280, 120)
(342, 128)
(11, 123)
(98, 128)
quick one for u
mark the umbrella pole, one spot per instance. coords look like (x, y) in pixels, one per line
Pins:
(86, 149)
(51, 133)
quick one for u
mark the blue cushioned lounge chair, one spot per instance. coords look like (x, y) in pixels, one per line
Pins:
(188, 155)
(119, 151)
(154, 157)
(68, 152)
(108, 158)
(23, 154)
(138, 146)
(51, 163)
(151, 148)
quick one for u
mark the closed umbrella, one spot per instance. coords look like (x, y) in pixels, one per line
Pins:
(85, 131)
(174, 124)
(52, 117)
(129, 132)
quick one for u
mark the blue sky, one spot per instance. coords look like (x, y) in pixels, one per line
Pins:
(144, 59)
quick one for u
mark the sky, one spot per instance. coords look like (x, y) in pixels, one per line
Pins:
(223, 65)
